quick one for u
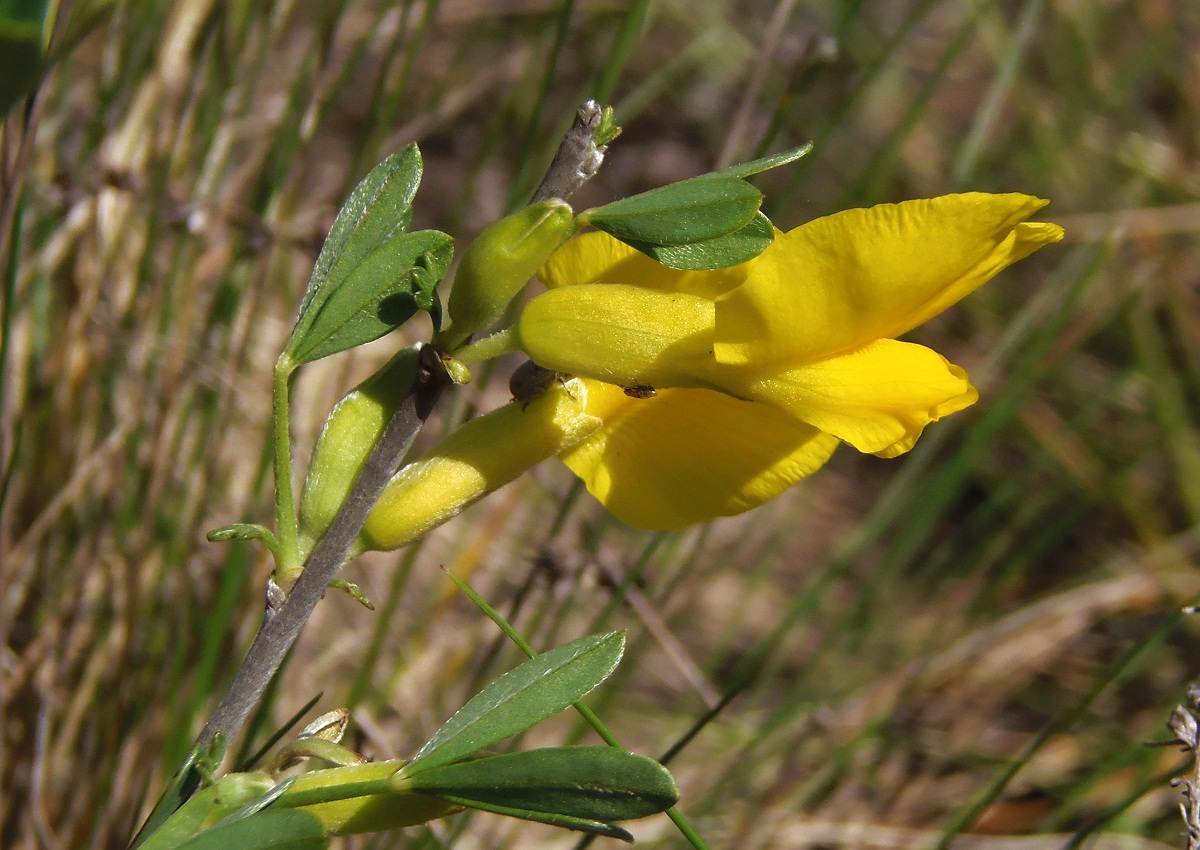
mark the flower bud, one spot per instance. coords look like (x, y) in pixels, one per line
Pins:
(498, 265)
(481, 456)
(350, 433)
(620, 334)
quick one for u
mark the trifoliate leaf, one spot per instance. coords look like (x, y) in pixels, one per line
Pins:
(381, 293)
(379, 209)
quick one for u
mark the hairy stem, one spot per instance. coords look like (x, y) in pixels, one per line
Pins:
(501, 342)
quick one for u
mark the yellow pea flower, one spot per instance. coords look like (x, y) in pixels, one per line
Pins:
(765, 367)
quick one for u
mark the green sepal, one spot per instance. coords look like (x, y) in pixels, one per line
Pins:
(522, 698)
(379, 208)
(568, 786)
(720, 253)
(758, 166)
(287, 829)
(198, 767)
(693, 210)
(381, 293)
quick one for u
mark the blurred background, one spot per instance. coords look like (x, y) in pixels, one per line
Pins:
(978, 637)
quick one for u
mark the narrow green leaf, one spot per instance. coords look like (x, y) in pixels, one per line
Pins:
(523, 697)
(385, 290)
(287, 829)
(719, 253)
(692, 210)
(183, 824)
(379, 208)
(758, 166)
(591, 783)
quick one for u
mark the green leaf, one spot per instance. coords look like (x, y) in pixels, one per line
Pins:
(382, 292)
(719, 253)
(523, 697)
(692, 210)
(20, 49)
(275, 828)
(200, 762)
(593, 784)
(758, 166)
(379, 208)
(183, 824)
(565, 821)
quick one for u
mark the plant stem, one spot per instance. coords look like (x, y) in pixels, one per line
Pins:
(280, 630)
(287, 530)
(577, 159)
(501, 342)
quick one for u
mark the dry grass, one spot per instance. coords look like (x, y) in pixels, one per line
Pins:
(979, 636)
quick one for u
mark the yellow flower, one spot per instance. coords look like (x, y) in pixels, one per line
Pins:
(762, 369)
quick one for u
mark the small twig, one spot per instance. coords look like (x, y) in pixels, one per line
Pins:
(280, 631)
(578, 157)
(1184, 725)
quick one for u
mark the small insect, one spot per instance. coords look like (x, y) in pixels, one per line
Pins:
(640, 391)
(530, 380)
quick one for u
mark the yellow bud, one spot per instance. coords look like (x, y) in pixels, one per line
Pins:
(619, 334)
(498, 265)
(481, 456)
(351, 431)
(390, 809)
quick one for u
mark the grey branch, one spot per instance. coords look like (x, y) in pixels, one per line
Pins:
(280, 631)
(578, 157)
